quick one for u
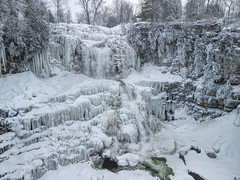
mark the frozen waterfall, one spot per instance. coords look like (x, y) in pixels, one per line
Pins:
(99, 53)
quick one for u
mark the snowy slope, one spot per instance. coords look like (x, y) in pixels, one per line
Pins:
(36, 146)
(219, 135)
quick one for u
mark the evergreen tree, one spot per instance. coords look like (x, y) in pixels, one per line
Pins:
(4, 9)
(24, 30)
(36, 35)
(51, 18)
(160, 10)
(13, 28)
(146, 13)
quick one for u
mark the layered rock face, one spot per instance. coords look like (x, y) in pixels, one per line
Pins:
(204, 52)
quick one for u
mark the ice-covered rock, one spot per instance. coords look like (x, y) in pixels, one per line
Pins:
(203, 51)
(50, 123)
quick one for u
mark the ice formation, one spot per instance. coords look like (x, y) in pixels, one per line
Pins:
(73, 120)
(94, 51)
(67, 117)
(40, 64)
(3, 59)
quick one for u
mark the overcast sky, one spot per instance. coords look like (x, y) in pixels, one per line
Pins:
(76, 8)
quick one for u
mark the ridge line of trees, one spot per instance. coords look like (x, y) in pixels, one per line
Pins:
(169, 10)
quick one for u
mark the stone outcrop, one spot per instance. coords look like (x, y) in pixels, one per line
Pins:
(208, 53)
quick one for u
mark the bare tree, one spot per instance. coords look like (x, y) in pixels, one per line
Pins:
(58, 4)
(97, 6)
(92, 9)
(195, 9)
(123, 11)
(214, 8)
(228, 4)
(86, 8)
(238, 8)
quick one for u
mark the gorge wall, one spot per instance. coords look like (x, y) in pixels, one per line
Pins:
(208, 53)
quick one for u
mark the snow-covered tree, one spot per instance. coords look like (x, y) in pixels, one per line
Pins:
(51, 18)
(36, 33)
(160, 10)
(13, 28)
(24, 29)
(80, 18)
(146, 12)
(214, 9)
(237, 8)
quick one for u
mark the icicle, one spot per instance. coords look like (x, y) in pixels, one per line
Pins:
(40, 64)
(101, 58)
(3, 60)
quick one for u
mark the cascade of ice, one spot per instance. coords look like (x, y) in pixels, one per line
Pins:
(40, 64)
(181, 53)
(158, 102)
(97, 54)
(3, 59)
(129, 101)
(63, 49)
(68, 53)
(96, 62)
(56, 51)
(158, 107)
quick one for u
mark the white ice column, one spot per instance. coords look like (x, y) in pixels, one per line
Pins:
(40, 64)
(3, 59)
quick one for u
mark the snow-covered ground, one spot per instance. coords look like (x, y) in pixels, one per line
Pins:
(150, 72)
(86, 172)
(37, 144)
(218, 135)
